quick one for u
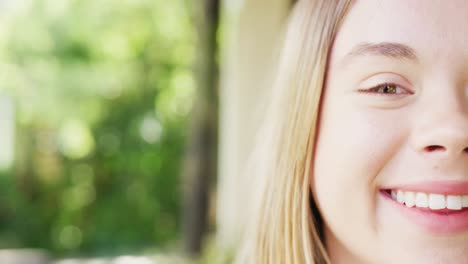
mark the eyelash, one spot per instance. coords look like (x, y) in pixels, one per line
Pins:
(374, 90)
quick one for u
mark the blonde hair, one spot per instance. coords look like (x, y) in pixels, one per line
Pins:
(285, 226)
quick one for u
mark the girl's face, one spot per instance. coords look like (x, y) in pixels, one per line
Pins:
(394, 118)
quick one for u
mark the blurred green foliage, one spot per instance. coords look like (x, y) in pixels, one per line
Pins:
(102, 91)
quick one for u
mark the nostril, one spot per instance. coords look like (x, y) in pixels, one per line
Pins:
(433, 148)
(466, 150)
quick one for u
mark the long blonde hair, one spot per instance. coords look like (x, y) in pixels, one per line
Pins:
(285, 226)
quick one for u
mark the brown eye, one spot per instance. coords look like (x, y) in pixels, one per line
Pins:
(387, 89)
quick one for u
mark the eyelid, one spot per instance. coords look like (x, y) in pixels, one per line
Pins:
(377, 79)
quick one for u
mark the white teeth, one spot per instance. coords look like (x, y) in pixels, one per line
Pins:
(400, 196)
(409, 199)
(465, 200)
(454, 202)
(436, 201)
(431, 200)
(421, 200)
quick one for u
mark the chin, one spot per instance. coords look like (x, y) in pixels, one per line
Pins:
(431, 255)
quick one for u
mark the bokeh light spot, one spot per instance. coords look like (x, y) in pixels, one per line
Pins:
(76, 139)
(70, 237)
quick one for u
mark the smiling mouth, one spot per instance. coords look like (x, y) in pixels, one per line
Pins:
(439, 208)
(432, 201)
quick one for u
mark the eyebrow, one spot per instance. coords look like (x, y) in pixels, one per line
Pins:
(386, 49)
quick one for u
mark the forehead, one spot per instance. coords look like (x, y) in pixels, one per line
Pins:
(435, 28)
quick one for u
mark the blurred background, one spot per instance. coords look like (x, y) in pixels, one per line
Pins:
(125, 126)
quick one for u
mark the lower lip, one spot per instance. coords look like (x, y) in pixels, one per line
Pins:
(435, 221)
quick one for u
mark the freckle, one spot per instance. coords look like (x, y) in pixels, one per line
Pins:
(436, 167)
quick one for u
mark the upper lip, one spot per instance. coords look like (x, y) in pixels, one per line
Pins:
(439, 187)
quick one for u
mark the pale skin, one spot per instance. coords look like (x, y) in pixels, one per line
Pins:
(413, 130)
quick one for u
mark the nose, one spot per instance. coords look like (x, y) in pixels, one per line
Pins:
(443, 134)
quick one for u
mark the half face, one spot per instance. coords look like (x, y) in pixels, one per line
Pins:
(391, 166)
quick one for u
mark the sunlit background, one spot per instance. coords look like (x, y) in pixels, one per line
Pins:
(101, 123)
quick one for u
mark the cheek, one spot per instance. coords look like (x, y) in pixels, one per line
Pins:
(353, 146)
